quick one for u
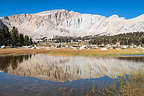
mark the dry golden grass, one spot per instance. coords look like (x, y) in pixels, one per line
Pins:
(94, 52)
(71, 52)
(21, 51)
(132, 85)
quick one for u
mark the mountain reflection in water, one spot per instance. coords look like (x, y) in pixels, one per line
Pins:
(62, 68)
(44, 75)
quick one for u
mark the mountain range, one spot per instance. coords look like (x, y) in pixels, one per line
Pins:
(69, 23)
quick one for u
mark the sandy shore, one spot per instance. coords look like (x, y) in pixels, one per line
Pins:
(71, 52)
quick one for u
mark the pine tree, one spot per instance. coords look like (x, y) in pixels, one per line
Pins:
(31, 42)
(6, 35)
(1, 37)
(14, 36)
(21, 39)
(26, 40)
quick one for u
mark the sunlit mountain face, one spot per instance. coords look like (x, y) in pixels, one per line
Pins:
(69, 23)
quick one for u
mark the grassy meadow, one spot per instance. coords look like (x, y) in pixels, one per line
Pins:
(73, 52)
(95, 52)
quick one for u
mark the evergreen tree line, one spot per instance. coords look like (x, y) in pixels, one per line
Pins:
(136, 38)
(67, 39)
(13, 37)
(64, 39)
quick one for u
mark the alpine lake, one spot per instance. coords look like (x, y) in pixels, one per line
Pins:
(45, 75)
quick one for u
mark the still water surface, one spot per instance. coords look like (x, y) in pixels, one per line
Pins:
(44, 75)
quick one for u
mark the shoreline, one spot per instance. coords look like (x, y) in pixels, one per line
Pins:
(72, 52)
(19, 51)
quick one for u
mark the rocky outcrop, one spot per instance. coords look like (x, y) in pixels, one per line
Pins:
(69, 23)
(1, 24)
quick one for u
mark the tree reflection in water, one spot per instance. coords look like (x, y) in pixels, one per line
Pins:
(11, 60)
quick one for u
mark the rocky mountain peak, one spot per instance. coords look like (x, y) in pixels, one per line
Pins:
(140, 17)
(45, 13)
(114, 16)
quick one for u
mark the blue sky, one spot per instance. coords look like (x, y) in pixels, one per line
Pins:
(123, 8)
